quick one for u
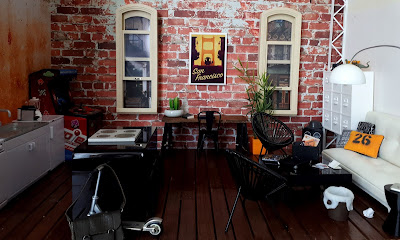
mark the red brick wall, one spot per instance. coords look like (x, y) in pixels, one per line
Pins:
(83, 38)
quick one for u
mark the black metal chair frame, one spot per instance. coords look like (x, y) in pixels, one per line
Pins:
(272, 132)
(254, 181)
(208, 131)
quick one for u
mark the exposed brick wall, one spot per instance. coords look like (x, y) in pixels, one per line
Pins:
(83, 38)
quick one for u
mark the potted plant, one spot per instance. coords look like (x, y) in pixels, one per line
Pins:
(259, 94)
(174, 110)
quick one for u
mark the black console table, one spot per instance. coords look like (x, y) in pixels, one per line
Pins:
(138, 166)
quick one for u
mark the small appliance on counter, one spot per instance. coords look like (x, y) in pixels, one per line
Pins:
(31, 111)
(26, 113)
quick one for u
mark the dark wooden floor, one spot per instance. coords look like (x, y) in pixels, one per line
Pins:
(194, 202)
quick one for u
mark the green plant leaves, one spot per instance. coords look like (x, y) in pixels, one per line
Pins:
(260, 90)
(174, 103)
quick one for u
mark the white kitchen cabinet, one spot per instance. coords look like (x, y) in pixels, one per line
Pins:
(55, 129)
(3, 180)
(346, 105)
(27, 158)
(27, 163)
(57, 144)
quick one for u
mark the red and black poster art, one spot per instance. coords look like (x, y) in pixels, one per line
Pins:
(208, 58)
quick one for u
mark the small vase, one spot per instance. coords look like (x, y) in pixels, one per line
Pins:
(173, 113)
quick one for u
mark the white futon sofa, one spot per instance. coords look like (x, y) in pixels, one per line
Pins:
(372, 174)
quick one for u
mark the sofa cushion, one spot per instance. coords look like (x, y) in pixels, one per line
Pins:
(366, 127)
(375, 171)
(388, 126)
(363, 143)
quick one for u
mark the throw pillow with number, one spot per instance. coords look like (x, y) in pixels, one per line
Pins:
(363, 143)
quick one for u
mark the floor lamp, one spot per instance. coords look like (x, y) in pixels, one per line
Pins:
(349, 73)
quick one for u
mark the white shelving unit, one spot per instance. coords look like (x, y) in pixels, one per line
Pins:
(345, 105)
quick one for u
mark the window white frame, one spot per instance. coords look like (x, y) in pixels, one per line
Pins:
(125, 12)
(295, 18)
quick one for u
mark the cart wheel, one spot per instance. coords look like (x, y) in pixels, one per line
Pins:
(156, 229)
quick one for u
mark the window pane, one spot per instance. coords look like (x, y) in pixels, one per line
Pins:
(137, 23)
(137, 69)
(279, 74)
(279, 52)
(279, 30)
(281, 100)
(137, 45)
(137, 94)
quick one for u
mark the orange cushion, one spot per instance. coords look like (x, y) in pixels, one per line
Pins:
(363, 143)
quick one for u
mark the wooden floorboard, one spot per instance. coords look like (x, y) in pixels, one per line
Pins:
(171, 218)
(204, 207)
(187, 228)
(197, 192)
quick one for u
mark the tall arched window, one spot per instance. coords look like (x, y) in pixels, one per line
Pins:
(279, 56)
(137, 59)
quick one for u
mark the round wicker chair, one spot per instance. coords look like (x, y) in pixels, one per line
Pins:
(273, 133)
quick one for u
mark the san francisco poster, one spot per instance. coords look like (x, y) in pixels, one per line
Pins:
(208, 58)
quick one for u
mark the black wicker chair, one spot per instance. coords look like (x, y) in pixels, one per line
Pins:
(208, 127)
(273, 133)
(254, 181)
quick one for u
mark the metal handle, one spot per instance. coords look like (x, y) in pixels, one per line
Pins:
(51, 132)
(31, 146)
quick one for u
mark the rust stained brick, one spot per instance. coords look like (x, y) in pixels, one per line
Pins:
(207, 14)
(87, 77)
(55, 27)
(85, 36)
(176, 21)
(75, 2)
(106, 45)
(57, 44)
(59, 60)
(97, 36)
(103, 94)
(59, 18)
(317, 105)
(67, 10)
(81, 19)
(92, 11)
(319, 25)
(184, 13)
(92, 28)
(84, 45)
(103, 54)
(246, 49)
(322, 34)
(107, 78)
(72, 52)
(55, 53)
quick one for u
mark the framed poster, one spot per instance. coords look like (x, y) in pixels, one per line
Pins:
(208, 58)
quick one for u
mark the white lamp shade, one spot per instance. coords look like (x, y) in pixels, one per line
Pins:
(347, 74)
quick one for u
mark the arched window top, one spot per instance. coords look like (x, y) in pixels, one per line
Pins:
(136, 7)
(284, 11)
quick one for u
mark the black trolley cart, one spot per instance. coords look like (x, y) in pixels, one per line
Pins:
(139, 169)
